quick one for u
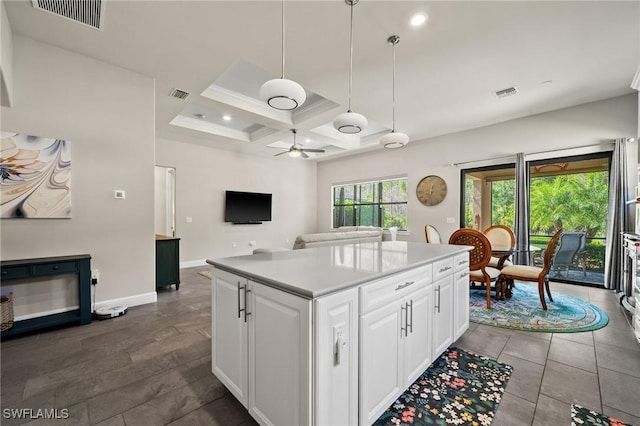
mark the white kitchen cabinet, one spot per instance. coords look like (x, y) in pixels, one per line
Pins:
(336, 359)
(442, 314)
(460, 295)
(312, 339)
(395, 340)
(229, 352)
(269, 331)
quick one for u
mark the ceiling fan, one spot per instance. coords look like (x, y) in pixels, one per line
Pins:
(297, 150)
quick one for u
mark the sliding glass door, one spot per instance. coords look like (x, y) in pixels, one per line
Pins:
(569, 193)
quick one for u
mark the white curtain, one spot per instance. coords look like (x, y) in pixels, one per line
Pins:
(617, 220)
(521, 228)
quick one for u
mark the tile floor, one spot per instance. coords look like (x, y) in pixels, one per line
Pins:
(152, 367)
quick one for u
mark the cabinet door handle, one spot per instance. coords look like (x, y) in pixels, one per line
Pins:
(246, 312)
(410, 323)
(446, 268)
(438, 305)
(239, 310)
(464, 274)
(403, 309)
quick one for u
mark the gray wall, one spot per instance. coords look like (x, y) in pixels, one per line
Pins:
(108, 115)
(202, 176)
(588, 124)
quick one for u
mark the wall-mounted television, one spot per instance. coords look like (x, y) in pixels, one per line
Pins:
(247, 207)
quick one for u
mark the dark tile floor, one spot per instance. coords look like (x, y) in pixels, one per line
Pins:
(153, 367)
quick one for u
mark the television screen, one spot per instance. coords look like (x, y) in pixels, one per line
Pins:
(247, 207)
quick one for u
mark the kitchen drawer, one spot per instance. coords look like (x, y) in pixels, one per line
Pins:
(55, 268)
(461, 261)
(15, 272)
(386, 290)
(442, 268)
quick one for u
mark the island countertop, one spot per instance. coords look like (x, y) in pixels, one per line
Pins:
(318, 271)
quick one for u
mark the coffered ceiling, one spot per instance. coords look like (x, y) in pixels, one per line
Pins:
(556, 54)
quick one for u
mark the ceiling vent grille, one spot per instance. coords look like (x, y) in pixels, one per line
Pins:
(506, 92)
(180, 94)
(87, 12)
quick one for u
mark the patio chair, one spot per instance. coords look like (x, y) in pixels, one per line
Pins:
(432, 235)
(501, 238)
(479, 256)
(570, 250)
(534, 273)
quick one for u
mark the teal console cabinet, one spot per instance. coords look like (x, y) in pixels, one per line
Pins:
(18, 269)
(167, 261)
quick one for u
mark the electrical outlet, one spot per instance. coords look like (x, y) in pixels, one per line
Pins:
(95, 276)
(252, 243)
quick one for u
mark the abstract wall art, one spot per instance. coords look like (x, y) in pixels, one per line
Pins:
(35, 177)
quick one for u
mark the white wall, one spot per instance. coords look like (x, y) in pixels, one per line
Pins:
(588, 124)
(107, 113)
(6, 59)
(202, 176)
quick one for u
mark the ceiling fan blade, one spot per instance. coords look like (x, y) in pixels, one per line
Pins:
(303, 155)
(311, 150)
(281, 153)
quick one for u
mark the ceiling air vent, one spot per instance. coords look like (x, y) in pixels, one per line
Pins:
(506, 92)
(180, 94)
(87, 12)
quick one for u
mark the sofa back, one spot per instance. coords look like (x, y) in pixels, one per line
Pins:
(343, 235)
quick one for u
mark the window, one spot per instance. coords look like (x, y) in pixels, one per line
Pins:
(380, 203)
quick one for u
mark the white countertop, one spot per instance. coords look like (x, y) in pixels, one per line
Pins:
(315, 272)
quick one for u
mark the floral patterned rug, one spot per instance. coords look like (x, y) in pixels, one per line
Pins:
(584, 416)
(459, 388)
(566, 314)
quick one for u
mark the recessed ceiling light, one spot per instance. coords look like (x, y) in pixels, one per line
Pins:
(226, 117)
(418, 19)
(307, 140)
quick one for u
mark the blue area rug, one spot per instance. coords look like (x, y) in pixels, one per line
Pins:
(566, 314)
(460, 388)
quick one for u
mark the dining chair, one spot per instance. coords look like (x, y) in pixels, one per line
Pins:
(479, 256)
(432, 235)
(501, 238)
(534, 273)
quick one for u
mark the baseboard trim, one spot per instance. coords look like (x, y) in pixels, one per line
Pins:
(193, 263)
(138, 299)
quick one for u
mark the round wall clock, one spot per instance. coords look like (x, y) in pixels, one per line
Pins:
(431, 190)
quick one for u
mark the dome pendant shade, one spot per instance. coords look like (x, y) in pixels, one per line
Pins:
(282, 94)
(394, 140)
(350, 122)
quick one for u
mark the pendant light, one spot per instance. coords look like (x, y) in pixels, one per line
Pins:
(350, 122)
(281, 93)
(394, 139)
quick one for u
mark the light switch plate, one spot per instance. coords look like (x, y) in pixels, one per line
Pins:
(119, 194)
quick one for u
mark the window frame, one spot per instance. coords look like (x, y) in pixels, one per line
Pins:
(377, 203)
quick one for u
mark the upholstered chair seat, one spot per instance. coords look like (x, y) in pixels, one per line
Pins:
(534, 273)
(477, 275)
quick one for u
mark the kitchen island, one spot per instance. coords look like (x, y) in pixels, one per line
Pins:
(333, 335)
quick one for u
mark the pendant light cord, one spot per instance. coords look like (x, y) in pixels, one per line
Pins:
(283, 39)
(393, 92)
(350, 57)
